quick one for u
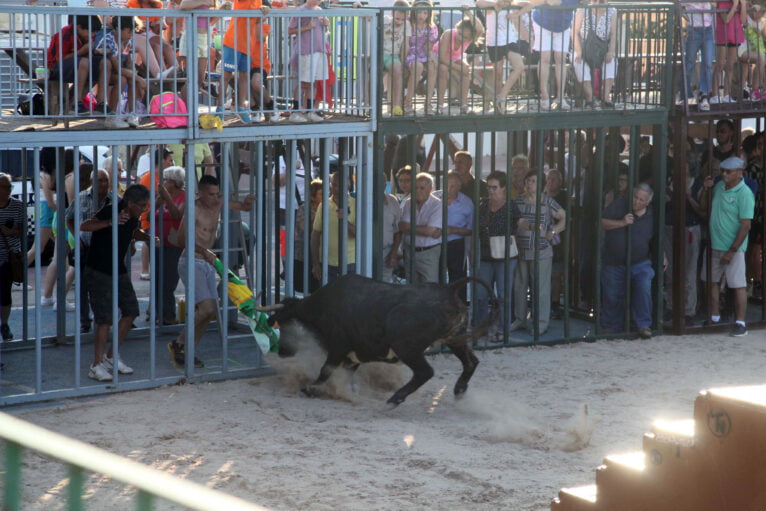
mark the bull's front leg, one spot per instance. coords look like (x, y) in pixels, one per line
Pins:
(330, 363)
(421, 373)
(469, 360)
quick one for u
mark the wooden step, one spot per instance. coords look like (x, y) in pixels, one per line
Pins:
(675, 466)
(620, 480)
(731, 435)
(581, 498)
(670, 444)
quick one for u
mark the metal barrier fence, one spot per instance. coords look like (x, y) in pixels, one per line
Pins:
(557, 192)
(723, 79)
(151, 485)
(138, 64)
(497, 61)
(49, 357)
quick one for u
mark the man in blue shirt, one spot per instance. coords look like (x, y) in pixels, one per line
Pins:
(623, 212)
(459, 225)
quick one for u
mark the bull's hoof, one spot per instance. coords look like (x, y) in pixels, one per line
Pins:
(310, 391)
(460, 389)
(395, 401)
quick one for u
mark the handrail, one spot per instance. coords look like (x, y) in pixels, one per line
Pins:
(146, 479)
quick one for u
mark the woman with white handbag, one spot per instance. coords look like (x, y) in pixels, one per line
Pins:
(538, 229)
(497, 225)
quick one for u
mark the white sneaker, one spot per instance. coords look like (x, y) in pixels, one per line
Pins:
(116, 122)
(314, 117)
(122, 367)
(99, 372)
(70, 307)
(714, 100)
(133, 121)
(704, 106)
(728, 99)
(297, 117)
(47, 302)
(564, 105)
(274, 117)
(545, 104)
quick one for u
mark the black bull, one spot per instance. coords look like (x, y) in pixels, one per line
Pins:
(357, 319)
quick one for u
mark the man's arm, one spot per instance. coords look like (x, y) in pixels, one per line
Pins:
(244, 205)
(742, 232)
(608, 224)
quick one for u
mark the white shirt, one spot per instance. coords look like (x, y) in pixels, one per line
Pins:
(502, 33)
(430, 214)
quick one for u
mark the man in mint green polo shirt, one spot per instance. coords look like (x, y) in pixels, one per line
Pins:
(730, 216)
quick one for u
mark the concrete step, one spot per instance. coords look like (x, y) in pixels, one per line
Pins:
(581, 498)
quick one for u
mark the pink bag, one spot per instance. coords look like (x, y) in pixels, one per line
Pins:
(168, 104)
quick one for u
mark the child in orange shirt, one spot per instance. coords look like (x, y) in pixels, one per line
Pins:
(245, 53)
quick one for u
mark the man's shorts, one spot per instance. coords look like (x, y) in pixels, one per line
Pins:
(46, 214)
(203, 46)
(545, 40)
(99, 287)
(234, 60)
(312, 67)
(68, 69)
(734, 271)
(205, 282)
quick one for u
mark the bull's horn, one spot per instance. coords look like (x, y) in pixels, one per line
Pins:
(269, 308)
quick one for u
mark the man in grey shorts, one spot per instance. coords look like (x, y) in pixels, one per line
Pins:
(730, 217)
(207, 206)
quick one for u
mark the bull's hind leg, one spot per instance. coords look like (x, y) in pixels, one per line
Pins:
(421, 373)
(469, 360)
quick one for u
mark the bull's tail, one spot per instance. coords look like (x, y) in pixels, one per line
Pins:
(494, 304)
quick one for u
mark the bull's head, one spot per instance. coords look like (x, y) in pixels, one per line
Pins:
(282, 314)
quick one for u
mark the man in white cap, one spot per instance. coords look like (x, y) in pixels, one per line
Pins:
(730, 217)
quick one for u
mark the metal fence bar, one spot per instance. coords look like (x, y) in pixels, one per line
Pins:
(19, 434)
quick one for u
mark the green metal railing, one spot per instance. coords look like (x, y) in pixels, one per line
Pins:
(151, 484)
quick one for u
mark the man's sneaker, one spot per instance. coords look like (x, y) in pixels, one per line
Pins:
(545, 104)
(738, 330)
(5, 331)
(47, 301)
(99, 372)
(274, 117)
(178, 355)
(564, 105)
(116, 122)
(714, 100)
(704, 105)
(133, 121)
(70, 306)
(645, 333)
(518, 324)
(710, 322)
(297, 117)
(122, 367)
(314, 117)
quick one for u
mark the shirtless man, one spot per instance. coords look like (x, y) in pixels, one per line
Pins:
(208, 208)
